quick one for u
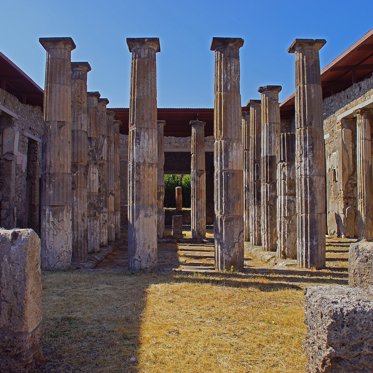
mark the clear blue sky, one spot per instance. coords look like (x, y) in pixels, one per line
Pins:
(185, 28)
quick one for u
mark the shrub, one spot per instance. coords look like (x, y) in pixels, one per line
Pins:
(171, 181)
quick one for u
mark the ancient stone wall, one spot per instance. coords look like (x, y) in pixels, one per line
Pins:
(341, 189)
(25, 131)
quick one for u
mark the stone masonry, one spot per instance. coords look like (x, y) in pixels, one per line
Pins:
(198, 180)
(309, 155)
(56, 227)
(160, 192)
(246, 173)
(117, 183)
(254, 173)
(79, 159)
(20, 300)
(271, 126)
(228, 160)
(143, 155)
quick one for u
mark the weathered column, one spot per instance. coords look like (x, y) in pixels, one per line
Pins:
(179, 198)
(228, 158)
(161, 215)
(270, 114)
(286, 204)
(143, 156)
(309, 154)
(255, 177)
(246, 173)
(56, 227)
(102, 156)
(123, 179)
(198, 180)
(9, 134)
(117, 187)
(110, 175)
(79, 158)
(92, 177)
(364, 174)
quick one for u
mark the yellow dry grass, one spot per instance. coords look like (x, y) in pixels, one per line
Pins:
(107, 321)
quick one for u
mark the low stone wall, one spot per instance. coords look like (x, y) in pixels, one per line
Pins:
(339, 329)
(20, 300)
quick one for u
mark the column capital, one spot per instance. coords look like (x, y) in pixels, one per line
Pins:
(269, 88)
(161, 122)
(300, 44)
(110, 114)
(103, 101)
(84, 67)
(94, 94)
(55, 43)
(219, 43)
(363, 112)
(251, 103)
(117, 123)
(143, 43)
(197, 123)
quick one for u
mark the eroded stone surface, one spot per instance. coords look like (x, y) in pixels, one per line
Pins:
(360, 264)
(177, 226)
(339, 329)
(20, 300)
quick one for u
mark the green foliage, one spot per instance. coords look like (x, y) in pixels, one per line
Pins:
(171, 181)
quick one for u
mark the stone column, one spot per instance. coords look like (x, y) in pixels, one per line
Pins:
(179, 198)
(364, 174)
(56, 227)
(246, 173)
(270, 151)
(286, 201)
(79, 158)
(92, 177)
(198, 180)
(309, 154)
(143, 156)
(102, 154)
(110, 175)
(228, 158)
(123, 179)
(9, 136)
(255, 177)
(117, 187)
(161, 215)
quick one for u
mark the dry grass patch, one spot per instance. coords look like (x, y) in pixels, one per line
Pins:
(106, 321)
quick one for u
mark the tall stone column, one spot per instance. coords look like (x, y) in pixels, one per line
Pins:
(364, 124)
(270, 115)
(117, 187)
(79, 158)
(143, 156)
(123, 179)
(286, 201)
(228, 158)
(246, 173)
(102, 156)
(92, 177)
(198, 180)
(110, 175)
(255, 176)
(56, 227)
(309, 154)
(161, 214)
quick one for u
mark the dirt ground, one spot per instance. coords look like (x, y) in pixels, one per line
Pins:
(184, 318)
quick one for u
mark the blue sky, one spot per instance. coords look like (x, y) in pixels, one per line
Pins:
(185, 28)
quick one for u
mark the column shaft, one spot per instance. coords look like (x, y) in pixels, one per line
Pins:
(56, 227)
(160, 196)
(246, 173)
(124, 179)
(228, 158)
(364, 175)
(255, 174)
(143, 156)
(286, 200)
(92, 177)
(79, 159)
(309, 155)
(270, 115)
(198, 180)
(117, 184)
(111, 176)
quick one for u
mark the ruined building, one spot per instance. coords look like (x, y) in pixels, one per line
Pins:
(280, 175)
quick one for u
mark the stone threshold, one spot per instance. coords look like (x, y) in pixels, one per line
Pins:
(93, 259)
